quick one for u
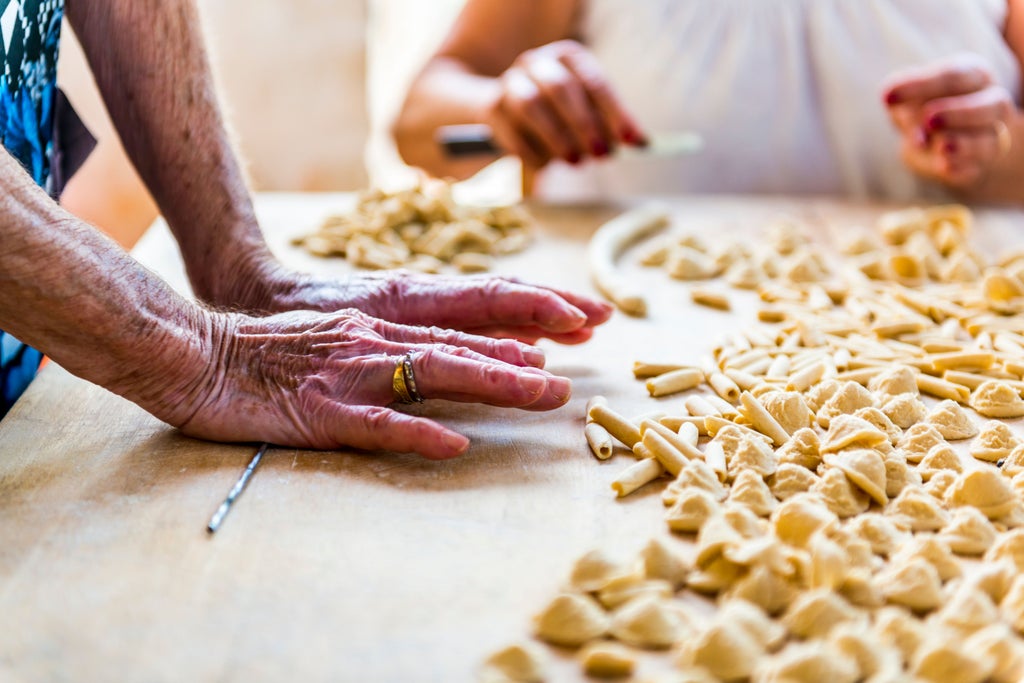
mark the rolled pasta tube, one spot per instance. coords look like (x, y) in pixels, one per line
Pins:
(618, 426)
(941, 388)
(759, 367)
(724, 387)
(714, 424)
(962, 360)
(842, 359)
(664, 452)
(675, 423)
(636, 475)
(641, 452)
(594, 401)
(973, 380)
(696, 405)
(744, 380)
(1015, 367)
(689, 433)
(714, 456)
(642, 370)
(674, 382)
(779, 369)
(724, 408)
(743, 360)
(860, 376)
(710, 298)
(762, 420)
(599, 440)
(806, 378)
(677, 441)
(609, 242)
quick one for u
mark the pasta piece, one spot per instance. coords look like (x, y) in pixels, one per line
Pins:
(803, 449)
(913, 584)
(716, 577)
(897, 626)
(618, 426)
(727, 650)
(915, 510)
(724, 386)
(940, 388)
(605, 659)
(840, 495)
(864, 467)
(686, 263)
(968, 610)
(994, 578)
(789, 409)
(674, 382)
(941, 458)
(710, 298)
(830, 563)
(984, 489)
(962, 360)
(599, 440)
(1010, 546)
(847, 431)
(636, 475)
(713, 538)
(724, 408)
(919, 440)
(885, 538)
(648, 622)
(670, 457)
(797, 518)
(858, 550)
(714, 456)
(659, 561)
(696, 405)
(519, 663)
(802, 380)
(997, 644)
(743, 520)
(750, 490)
(969, 532)
(1013, 464)
(905, 410)
(469, 262)
(695, 474)
(880, 421)
(790, 479)
(754, 455)
(994, 442)
(571, 620)
(609, 242)
(848, 399)
(767, 633)
(997, 399)
(646, 370)
(811, 662)
(898, 474)
(684, 440)
(764, 588)
(745, 275)
(691, 510)
(817, 612)
(875, 659)
(821, 393)
(594, 570)
(623, 589)
(896, 227)
(762, 420)
(946, 661)
(932, 550)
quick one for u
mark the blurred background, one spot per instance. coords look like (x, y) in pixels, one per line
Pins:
(310, 88)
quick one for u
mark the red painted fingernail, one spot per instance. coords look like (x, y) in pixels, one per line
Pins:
(600, 148)
(633, 136)
(573, 158)
(950, 146)
(936, 121)
(892, 97)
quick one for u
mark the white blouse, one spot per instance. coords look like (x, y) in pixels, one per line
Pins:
(785, 93)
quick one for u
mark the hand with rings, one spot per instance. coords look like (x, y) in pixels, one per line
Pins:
(325, 380)
(952, 117)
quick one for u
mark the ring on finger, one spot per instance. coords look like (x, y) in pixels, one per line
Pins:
(1003, 138)
(403, 381)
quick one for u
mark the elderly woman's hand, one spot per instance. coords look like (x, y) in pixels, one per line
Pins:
(484, 305)
(555, 103)
(323, 380)
(952, 117)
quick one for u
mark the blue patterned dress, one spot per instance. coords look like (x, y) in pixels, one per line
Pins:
(30, 36)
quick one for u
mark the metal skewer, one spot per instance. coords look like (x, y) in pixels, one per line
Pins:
(236, 490)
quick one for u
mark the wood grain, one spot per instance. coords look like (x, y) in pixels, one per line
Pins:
(333, 566)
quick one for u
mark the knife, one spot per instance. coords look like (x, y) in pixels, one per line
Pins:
(476, 139)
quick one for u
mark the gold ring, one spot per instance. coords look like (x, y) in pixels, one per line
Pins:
(1003, 138)
(403, 381)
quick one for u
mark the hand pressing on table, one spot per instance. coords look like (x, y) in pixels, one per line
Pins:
(957, 126)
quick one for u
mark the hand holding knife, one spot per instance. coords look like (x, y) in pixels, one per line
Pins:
(473, 140)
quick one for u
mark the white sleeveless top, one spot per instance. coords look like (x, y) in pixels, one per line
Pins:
(785, 93)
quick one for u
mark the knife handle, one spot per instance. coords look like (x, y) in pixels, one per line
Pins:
(467, 140)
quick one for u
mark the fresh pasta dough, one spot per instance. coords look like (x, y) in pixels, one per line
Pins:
(571, 619)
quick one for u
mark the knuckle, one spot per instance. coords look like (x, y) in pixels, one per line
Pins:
(375, 419)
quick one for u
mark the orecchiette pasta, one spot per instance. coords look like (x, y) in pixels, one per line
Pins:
(864, 467)
(905, 410)
(940, 458)
(996, 643)
(803, 449)
(918, 440)
(606, 659)
(994, 442)
(660, 561)
(594, 570)
(840, 494)
(847, 431)
(520, 663)
(807, 663)
(571, 620)
(916, 510)
(727, 650)
(894, 381)
(750, 490)
(969, 532)
(947, 661)
(789, 480)
(984, 489)
(914, 584)
(848, 399)
(691, 509)
(885, 538)
(932, 550)
(649, 622)
(952, 421)
(798, 517)
(997, 399)
(968, 610)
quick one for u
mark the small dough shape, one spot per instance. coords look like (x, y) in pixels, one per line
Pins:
(920, 439)
(607, 659)
(952, 421)
(905, 410)
(848, 399)
(996, 643)
(716, 577)
(840, 494)
(914, 584)
(897, 626)
(916, 510)
(770, 635)
(695, 474)
(812, 662)
(750, 490)
(940, 483)
(969, 532)
(864, 467)
(994, 578)
(713, 538)
(881, 421)
(830, 563)
(820, 393)
(790, 479)
(691, 510)
(894, 381)
(984, 489)
(879, 531)
(727, 650)
(1014, 462)
(594, 570)
(847, 431)
(623, 589)
(660, 561)
(789, 409)
(857, 549)
(899, 475)
(519, 663)
(873, 657)
(765, 589)
(743, 520)
(939, 459)
(803, 448)
(969, 610)
(944, 660)
(934, 551)
(861, 589)
(649, 622)
(752, 454)
(994, 442)
(997, 399)
(571, 620)
(797, 518)
(1009, 545)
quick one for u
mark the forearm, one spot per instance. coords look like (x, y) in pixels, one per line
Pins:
(445, 93)
(78, 297)
(150, 65)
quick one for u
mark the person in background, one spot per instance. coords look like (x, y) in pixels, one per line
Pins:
(892, 99)
(266, 354)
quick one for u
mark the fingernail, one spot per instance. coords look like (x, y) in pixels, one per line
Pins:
(456, 442)
(949, 146)
(935, 121)
(599, 148)
(573, 158)
(534, 356)
(892, 97)
(633, 136)
(534, 385)
(560, 388)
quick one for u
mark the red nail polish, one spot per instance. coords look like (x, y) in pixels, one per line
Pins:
(600, 149)
(935, 121)
(892, 97)
(573, 158)
(633, 137)
(950, 146)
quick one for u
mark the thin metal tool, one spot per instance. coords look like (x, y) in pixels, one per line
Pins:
(478, 140)
(236, 490)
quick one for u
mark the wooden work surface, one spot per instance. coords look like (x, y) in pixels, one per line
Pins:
(337, 566)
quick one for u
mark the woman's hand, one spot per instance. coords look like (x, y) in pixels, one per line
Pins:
(555, 103)
(953, 118)
(484, 305)
(323, 380)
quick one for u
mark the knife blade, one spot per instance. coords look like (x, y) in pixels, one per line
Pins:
(477, 140)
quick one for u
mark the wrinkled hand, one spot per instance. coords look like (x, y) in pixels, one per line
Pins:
(483, 305)
(321, 380)
(950, 114)
(555, 103)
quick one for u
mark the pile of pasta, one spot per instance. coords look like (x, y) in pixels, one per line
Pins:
(839, 483)
(421, 229)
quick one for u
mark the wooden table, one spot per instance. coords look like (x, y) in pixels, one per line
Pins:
(335, 566)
